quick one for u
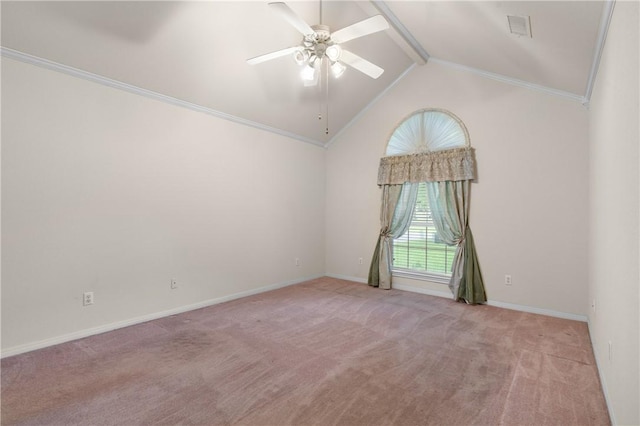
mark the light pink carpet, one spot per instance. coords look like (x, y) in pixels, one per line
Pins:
(325, 352)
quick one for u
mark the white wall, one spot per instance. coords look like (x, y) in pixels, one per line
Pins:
(114, 193)
(110, 192)
(528, 207)
(614, 274)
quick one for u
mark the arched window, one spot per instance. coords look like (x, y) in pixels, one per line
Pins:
(427, 130)
(420, 252)
(425, 180)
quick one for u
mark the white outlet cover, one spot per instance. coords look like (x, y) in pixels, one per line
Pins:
(87, 298)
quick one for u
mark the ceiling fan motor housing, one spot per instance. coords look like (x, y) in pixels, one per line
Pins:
(316, 44)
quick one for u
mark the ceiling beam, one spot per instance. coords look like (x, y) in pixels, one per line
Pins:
(401, 35)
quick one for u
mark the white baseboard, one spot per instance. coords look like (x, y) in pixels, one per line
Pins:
(539, 311)
(603, 381)
(348, 278)
(16, 350)
(498, 304)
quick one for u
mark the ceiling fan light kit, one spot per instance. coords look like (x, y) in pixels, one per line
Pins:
(333, 52)
(319, 42)
(310, 74)
(320, 46)
(301, 56)
(337, 69)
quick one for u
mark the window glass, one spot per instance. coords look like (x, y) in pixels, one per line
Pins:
(427, 131)
(420, 249)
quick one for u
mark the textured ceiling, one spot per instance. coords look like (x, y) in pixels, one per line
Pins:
(195, 52)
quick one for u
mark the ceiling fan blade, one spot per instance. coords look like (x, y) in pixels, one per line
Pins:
(362, 65)
(272, 55)
(291, 17)
(359, 29)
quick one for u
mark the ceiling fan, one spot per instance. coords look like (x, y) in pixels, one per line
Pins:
(319, 43)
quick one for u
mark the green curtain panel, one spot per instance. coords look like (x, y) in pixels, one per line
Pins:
(398, 202)
(449, 202)
(471, 287)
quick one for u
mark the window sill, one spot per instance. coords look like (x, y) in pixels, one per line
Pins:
(422, 276)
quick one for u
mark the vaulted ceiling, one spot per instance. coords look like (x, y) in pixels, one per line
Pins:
(194, 53)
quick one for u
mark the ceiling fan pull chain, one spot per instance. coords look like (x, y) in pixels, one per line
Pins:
(320, 93)
(326, 76)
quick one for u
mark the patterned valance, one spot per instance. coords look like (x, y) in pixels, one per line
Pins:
(447, 165)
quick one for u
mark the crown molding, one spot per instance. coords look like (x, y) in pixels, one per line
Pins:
(512, 81)
(109, 82)
(420, 55)
(605, 20)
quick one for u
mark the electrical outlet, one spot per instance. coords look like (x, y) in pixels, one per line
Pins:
(297, 260)
(360, 261)
(174, 284)
(87, 298)
(507, 280)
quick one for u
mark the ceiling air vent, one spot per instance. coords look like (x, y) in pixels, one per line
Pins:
(520, 25)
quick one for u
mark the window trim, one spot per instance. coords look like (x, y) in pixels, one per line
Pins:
(422, 276)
